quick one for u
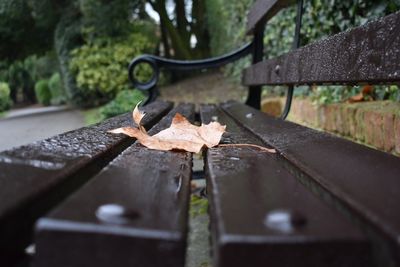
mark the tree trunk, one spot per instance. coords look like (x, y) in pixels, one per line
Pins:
(181, 21)
(200, 29)
(181, 49)
(164, 40)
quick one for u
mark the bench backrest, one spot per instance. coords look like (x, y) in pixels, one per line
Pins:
(368, 54)
(262, 11)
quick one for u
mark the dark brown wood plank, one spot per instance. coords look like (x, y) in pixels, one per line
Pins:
(367, 54)
(262, 11)
(151, 186)
(36, 176)
(363, 182)
(251, 193)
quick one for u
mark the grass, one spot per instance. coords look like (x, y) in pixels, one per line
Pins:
(92, 116)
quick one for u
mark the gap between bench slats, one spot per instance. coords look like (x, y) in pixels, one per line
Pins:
(364, 183)
(151, 186)
(249, 189)
(36, 176)
(368, 54)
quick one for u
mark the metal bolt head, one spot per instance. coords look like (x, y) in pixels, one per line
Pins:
(214, 118)
(284, 221)
(249, 115)
(115, 214)
(277, 69)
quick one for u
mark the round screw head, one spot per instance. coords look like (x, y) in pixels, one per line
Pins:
(115, 213)
(249, 115)
(277, 69)
(284, 221)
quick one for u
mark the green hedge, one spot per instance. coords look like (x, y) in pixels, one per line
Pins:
(68, 37)
(56, 88)
(5, 100)
(101, 69)
(124, 102)
(42, 92)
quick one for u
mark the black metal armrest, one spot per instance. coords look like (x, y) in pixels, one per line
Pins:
(158, 63)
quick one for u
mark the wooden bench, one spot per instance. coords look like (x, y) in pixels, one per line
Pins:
(90, 198)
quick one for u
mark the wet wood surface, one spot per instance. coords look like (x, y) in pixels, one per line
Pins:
(262, 216)
(362, 182)
(133, 213)
(262, 11)
(35, 177)
(368, 54)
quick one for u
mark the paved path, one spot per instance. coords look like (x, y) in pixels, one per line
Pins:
(26, 129)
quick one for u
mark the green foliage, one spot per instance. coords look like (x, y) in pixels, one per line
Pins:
(322, 18)
(124, 102)
(96, 14)
(92, 116)
(42, 92)
(198, 206)
(20, 35)
(227, 21)
(21, 76)
(101, 68)
(56, 88)
(67, 37)
(46, 65)
(336, 94)
(5, 100)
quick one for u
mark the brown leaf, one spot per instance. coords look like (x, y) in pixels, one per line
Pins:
(138, 116)
(180, 135)
(365, 94)
(356, 98)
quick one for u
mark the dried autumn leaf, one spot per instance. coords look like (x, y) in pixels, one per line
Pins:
(356, 98)
(180, 135)
(365, 94)
(138, 116)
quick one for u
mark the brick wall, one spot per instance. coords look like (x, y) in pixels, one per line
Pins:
(376, 123)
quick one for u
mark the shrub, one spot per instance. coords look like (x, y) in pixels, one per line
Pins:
(101, 68)
(67, 36)
(42, 92)
(46, 65)
(125, 101)
(56, 88)
(20, 76)
(5, 100)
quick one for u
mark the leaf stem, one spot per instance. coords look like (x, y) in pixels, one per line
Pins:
(269, 150)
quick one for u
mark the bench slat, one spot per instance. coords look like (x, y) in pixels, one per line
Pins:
(151, 186)
(248, 189)
(364, 182)
(36, 176)
(367, 54)
(263, 10)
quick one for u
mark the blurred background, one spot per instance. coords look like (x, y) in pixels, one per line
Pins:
(71, 56)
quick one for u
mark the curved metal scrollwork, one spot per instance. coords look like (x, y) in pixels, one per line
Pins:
(156, 63)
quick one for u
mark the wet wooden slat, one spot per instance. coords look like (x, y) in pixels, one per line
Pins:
(362, 181)
(36, 176)
(251, 191)
(367, 54)
(152, 187)
(262, 11)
